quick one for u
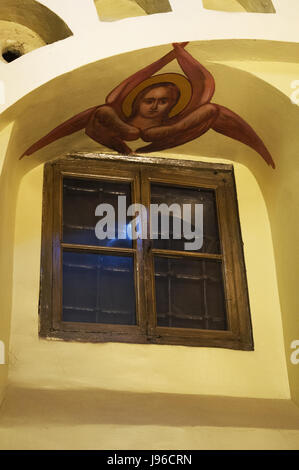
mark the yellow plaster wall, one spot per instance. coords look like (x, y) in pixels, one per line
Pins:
(7, 216)
(282, 197)
(84, 418)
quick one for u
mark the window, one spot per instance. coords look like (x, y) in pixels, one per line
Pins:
(150, 289)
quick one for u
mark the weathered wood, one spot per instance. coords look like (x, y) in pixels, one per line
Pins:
(145, 160)
(45, 297)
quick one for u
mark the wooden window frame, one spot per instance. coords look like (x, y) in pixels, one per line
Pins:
(184, 173)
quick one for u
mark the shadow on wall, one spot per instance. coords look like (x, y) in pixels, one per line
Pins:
(26, 25)
(253, 6)
(120, 9)
(99, 406)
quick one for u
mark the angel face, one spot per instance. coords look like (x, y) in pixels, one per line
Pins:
(156, 103)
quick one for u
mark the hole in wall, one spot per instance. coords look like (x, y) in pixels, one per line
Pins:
(29, 24)
(17, 40)
(11, 53)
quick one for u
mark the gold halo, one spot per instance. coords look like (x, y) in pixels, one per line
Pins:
(179, 80)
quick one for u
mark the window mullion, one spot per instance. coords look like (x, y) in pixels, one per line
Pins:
(148, 260)
(140, 286)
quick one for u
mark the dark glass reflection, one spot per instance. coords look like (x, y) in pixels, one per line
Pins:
(176, 195)
(80, 199)
(189, 293)
(98, 288)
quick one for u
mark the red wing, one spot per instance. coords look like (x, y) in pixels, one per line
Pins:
(68, 127)
(202, 81)
(117, 96)
(230, 124)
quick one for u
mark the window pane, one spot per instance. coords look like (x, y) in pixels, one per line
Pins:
(176, 195)
(189, 293)
(80, 199)
(98, 288)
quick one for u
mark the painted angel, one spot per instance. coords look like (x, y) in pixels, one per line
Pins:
(153, 108)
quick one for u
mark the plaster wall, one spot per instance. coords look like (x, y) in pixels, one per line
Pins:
(268, 199)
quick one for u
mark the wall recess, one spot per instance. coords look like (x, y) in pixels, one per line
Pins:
(253, 6)
(120, 9)
(26, 25)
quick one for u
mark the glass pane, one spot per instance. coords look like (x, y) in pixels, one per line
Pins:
(80, 199)
(176, 195)
(98, 288)
(190, 293)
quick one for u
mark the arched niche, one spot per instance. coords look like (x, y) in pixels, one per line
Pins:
(268, 110)
(253, 6)
(120, 9)
(26, 25)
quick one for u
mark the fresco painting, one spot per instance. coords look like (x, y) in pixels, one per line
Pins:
(164, 110)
